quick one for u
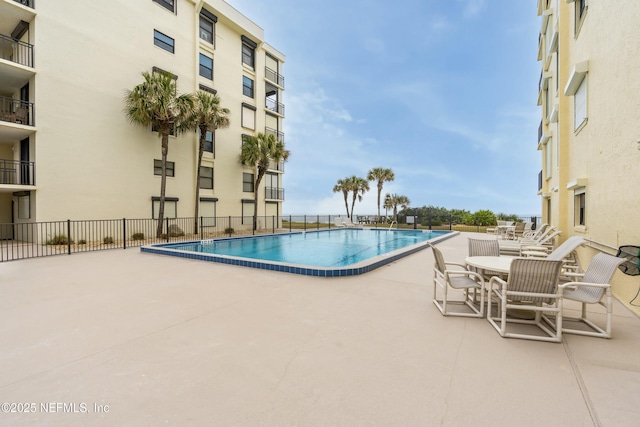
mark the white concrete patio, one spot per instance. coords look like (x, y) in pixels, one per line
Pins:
(168, 341)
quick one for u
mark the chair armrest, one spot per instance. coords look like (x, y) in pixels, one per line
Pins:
(457, 264)
(574, 285)
(496, 279)
(471, 274)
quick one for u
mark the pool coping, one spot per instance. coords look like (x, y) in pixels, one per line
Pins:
(352, 270)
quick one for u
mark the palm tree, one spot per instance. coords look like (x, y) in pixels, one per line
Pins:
(357, 186)
(393, 201)
(381, 175)
(258, 151)
(207, 116)
(155, 103)
(343, 185)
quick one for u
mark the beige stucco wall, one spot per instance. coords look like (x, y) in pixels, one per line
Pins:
(91, 162)
(605, 150)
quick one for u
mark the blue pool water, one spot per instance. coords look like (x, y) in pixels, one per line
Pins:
(335, 248)
(327, 253)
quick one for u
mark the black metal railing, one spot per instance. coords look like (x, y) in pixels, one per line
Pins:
(16, 111)
(28, 3)
(16, 51)
(279, 135)
(39, 239)
(274, 77)
(274, 193)
(17, 172)
(274, 106)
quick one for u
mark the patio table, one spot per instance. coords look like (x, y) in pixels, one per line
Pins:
(500, 264)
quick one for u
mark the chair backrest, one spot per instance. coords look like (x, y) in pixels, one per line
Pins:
(484, 247)
(600, 270)
(440, 264)
(541, 229)
(533, 276)
(565, 249)
(548, 238)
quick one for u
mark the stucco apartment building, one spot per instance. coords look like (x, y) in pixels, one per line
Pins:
(67, 150)
(589, 135)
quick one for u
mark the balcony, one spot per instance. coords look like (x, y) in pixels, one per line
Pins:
(275, 106)
(276, 166)
(274, 77)
(274, 193)
(539, 132)
(16, 111)
(16, 172)
(279, 135)
(16, 51)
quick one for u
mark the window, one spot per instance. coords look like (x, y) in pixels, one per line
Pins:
(271, 186)
(157, 168)
(581, 10)
(580, 105)
(248, 51)
(248, 207)
(170, 207)
(168, 4)
(24, 206)
(580, 207)
(208, 211)
(547, 159)
(248, 116)
(209, 143)
(206, 177)
(207, 26)
(247, 182)
(163, 41)
(247, 86)
(206, 66)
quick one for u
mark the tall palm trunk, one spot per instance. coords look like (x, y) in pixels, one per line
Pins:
(346, 203)
(379, 192)
(260, 174)
(163, 183)
(203, 135)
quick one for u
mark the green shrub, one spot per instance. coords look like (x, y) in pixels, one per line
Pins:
(82, 242)
(229, 230)
(107, 240)
(59, 239)
(137, 236)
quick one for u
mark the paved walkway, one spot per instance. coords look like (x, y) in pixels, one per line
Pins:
(125, 338)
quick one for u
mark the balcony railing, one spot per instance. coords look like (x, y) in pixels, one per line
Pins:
(16, 51)
(16, 111)
(28, 3)
(275, 106)
(276, 166)
(16, 172)
(274, 77)
(274, 193)
(279, 135)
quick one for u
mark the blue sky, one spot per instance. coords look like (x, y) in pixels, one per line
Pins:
(443, 92)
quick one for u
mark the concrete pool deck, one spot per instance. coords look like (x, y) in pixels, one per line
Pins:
(126, 338)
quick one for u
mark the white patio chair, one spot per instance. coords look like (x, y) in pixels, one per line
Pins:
(593, 287)
(484, 247)
(531, 286)
(339, 222)
(459, 279)
(514, 247)
(566, 253)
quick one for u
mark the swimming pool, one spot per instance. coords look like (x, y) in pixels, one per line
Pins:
(325, 253)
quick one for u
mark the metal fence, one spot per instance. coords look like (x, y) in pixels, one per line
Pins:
(39, 239)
